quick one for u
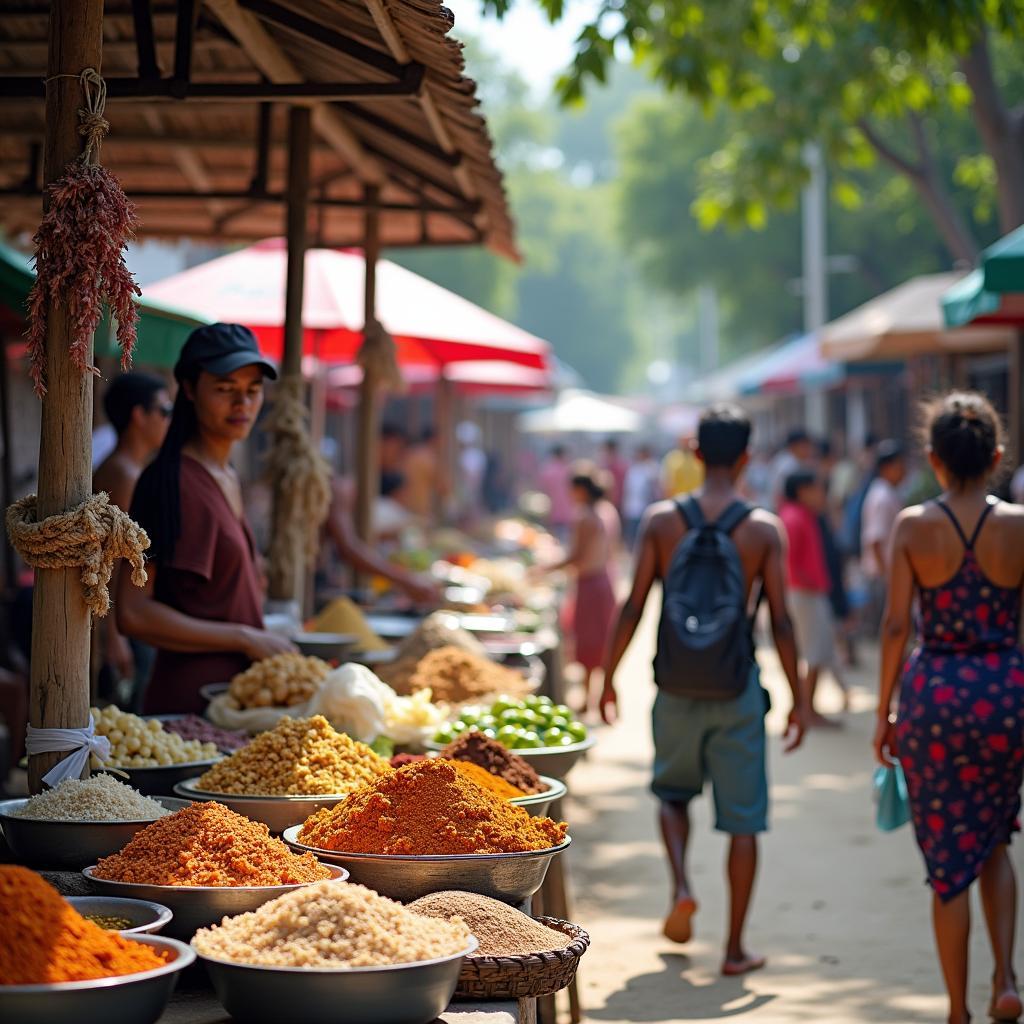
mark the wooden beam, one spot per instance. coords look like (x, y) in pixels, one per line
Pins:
(131, 89)
(59, 683)
(184, 36)
(277, 66)
(264, 128)
(368, 430)
(273, 12)
(449, 159)
(145, 40)
(287, 581)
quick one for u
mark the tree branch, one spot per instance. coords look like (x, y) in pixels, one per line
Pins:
(887, 153)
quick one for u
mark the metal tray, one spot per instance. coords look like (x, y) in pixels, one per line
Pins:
(147, 918)
(511, 877)
(199, 906)
(129, 999)
(538, 804)
(276, 812)
(69, 844)
(414, 993)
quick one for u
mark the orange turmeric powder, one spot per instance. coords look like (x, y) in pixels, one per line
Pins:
(482, 777)
(428, 808)
(44, 939)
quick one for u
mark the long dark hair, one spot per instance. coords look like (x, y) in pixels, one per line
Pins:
(156, 504)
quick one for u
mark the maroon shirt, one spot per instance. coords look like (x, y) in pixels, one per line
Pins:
(212, 575)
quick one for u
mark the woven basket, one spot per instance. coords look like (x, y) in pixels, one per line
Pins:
(524, 977)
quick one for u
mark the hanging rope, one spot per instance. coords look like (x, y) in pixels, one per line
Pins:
(91, 537)
(301, 479)
(80, 248)
(378, 356)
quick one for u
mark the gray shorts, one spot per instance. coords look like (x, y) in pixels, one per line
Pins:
(814, 627)
(718, 740)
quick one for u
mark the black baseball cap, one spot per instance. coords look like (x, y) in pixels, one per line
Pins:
(220, 349)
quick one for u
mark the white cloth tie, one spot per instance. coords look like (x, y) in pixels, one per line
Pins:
(82, 743)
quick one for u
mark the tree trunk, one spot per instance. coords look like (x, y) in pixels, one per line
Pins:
(59, 687)
(1000, 132)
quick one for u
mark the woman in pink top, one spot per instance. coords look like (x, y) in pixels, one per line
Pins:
(809, 581)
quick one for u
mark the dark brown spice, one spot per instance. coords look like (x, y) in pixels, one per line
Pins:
(496, 758)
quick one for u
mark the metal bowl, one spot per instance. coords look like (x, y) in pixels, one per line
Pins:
(555, 761)
(371, 658)
(68, 844)
(199, 906)
(161, 781)
(328, 646)
(146, 918)
(415, 993)
(276, 812)
(127, 999)
(537, 804)
(210, 690)
(511, 877)
(393, 627)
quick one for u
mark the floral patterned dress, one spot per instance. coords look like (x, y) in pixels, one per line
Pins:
(960, 729)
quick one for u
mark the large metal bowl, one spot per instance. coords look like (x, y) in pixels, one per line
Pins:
(328, 646)
(555, 762)
(415, 993)
(146, 918)
(68, 844)
(199, 906)
(373, 658)
(538, 804)
(127, 999)
(276, 812)
(511, 877)
(393, 627)
(162, 780)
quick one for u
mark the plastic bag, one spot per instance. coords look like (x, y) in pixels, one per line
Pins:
(892, 806)
(353, 700)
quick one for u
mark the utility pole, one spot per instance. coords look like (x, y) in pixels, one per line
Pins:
(815, 267)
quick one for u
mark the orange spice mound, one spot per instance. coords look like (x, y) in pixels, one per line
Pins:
(428, 808)
(43, 939)
(207, 844)
(482, 777)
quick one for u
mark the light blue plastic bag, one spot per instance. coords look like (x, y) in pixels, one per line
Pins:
(892, 808)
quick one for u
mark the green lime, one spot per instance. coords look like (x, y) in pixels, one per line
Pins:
(459, 727)
(565, 740)
(529, 740)
(552, 737)
(559, 722)
(577, 730)
(490, 733)
(487, 722)
(510, 716)
(502, 704)
(507, 732)
(444, 735)
(565, 711)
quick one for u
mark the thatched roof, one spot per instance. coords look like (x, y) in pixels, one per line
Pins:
(391, 105)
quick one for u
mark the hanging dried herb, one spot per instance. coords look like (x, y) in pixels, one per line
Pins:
(80, 250)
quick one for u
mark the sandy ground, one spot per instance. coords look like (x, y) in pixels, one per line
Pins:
(841, 909)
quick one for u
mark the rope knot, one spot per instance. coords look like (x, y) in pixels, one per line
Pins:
(91, 537)
(92, 125)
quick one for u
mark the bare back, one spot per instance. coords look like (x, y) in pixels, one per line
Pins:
(935, 549)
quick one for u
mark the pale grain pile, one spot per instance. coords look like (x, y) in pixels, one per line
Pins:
(331, 925)
(99, 798)
(298, 757)
(500, 929)
(144, 743)
(280, 681)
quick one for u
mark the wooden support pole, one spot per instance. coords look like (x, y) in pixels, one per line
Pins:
(10, 577)
(367, 455)
(1015, 389)
(286, 581)
(59, 687)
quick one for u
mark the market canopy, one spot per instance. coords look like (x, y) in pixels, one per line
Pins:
(197, 98)
(994, 292)
(581, 412)
(906, 321)
(162, 328)
(432, 326)
(484, 377)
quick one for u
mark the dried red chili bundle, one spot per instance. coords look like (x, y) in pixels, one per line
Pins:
(80, 251)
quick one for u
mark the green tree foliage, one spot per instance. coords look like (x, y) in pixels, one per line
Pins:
(867, 80)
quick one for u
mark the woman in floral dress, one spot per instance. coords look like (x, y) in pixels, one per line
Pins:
(959, 729)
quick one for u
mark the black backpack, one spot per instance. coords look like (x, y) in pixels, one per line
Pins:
(705, 646)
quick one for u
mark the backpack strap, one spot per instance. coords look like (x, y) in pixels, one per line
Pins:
(733, 516)
(689, 509)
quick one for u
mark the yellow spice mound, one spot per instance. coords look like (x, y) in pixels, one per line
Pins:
(299, 757)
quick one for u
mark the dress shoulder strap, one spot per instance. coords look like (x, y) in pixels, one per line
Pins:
(990, 503)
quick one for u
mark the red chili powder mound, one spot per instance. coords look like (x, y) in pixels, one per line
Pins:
(207, 844)
(44, 939)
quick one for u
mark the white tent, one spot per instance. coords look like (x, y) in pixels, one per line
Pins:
(581, 412)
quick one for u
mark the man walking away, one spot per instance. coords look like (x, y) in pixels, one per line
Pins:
(711, 552)
(882, 505)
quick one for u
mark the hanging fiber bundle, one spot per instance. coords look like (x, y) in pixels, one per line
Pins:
(80, 249)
